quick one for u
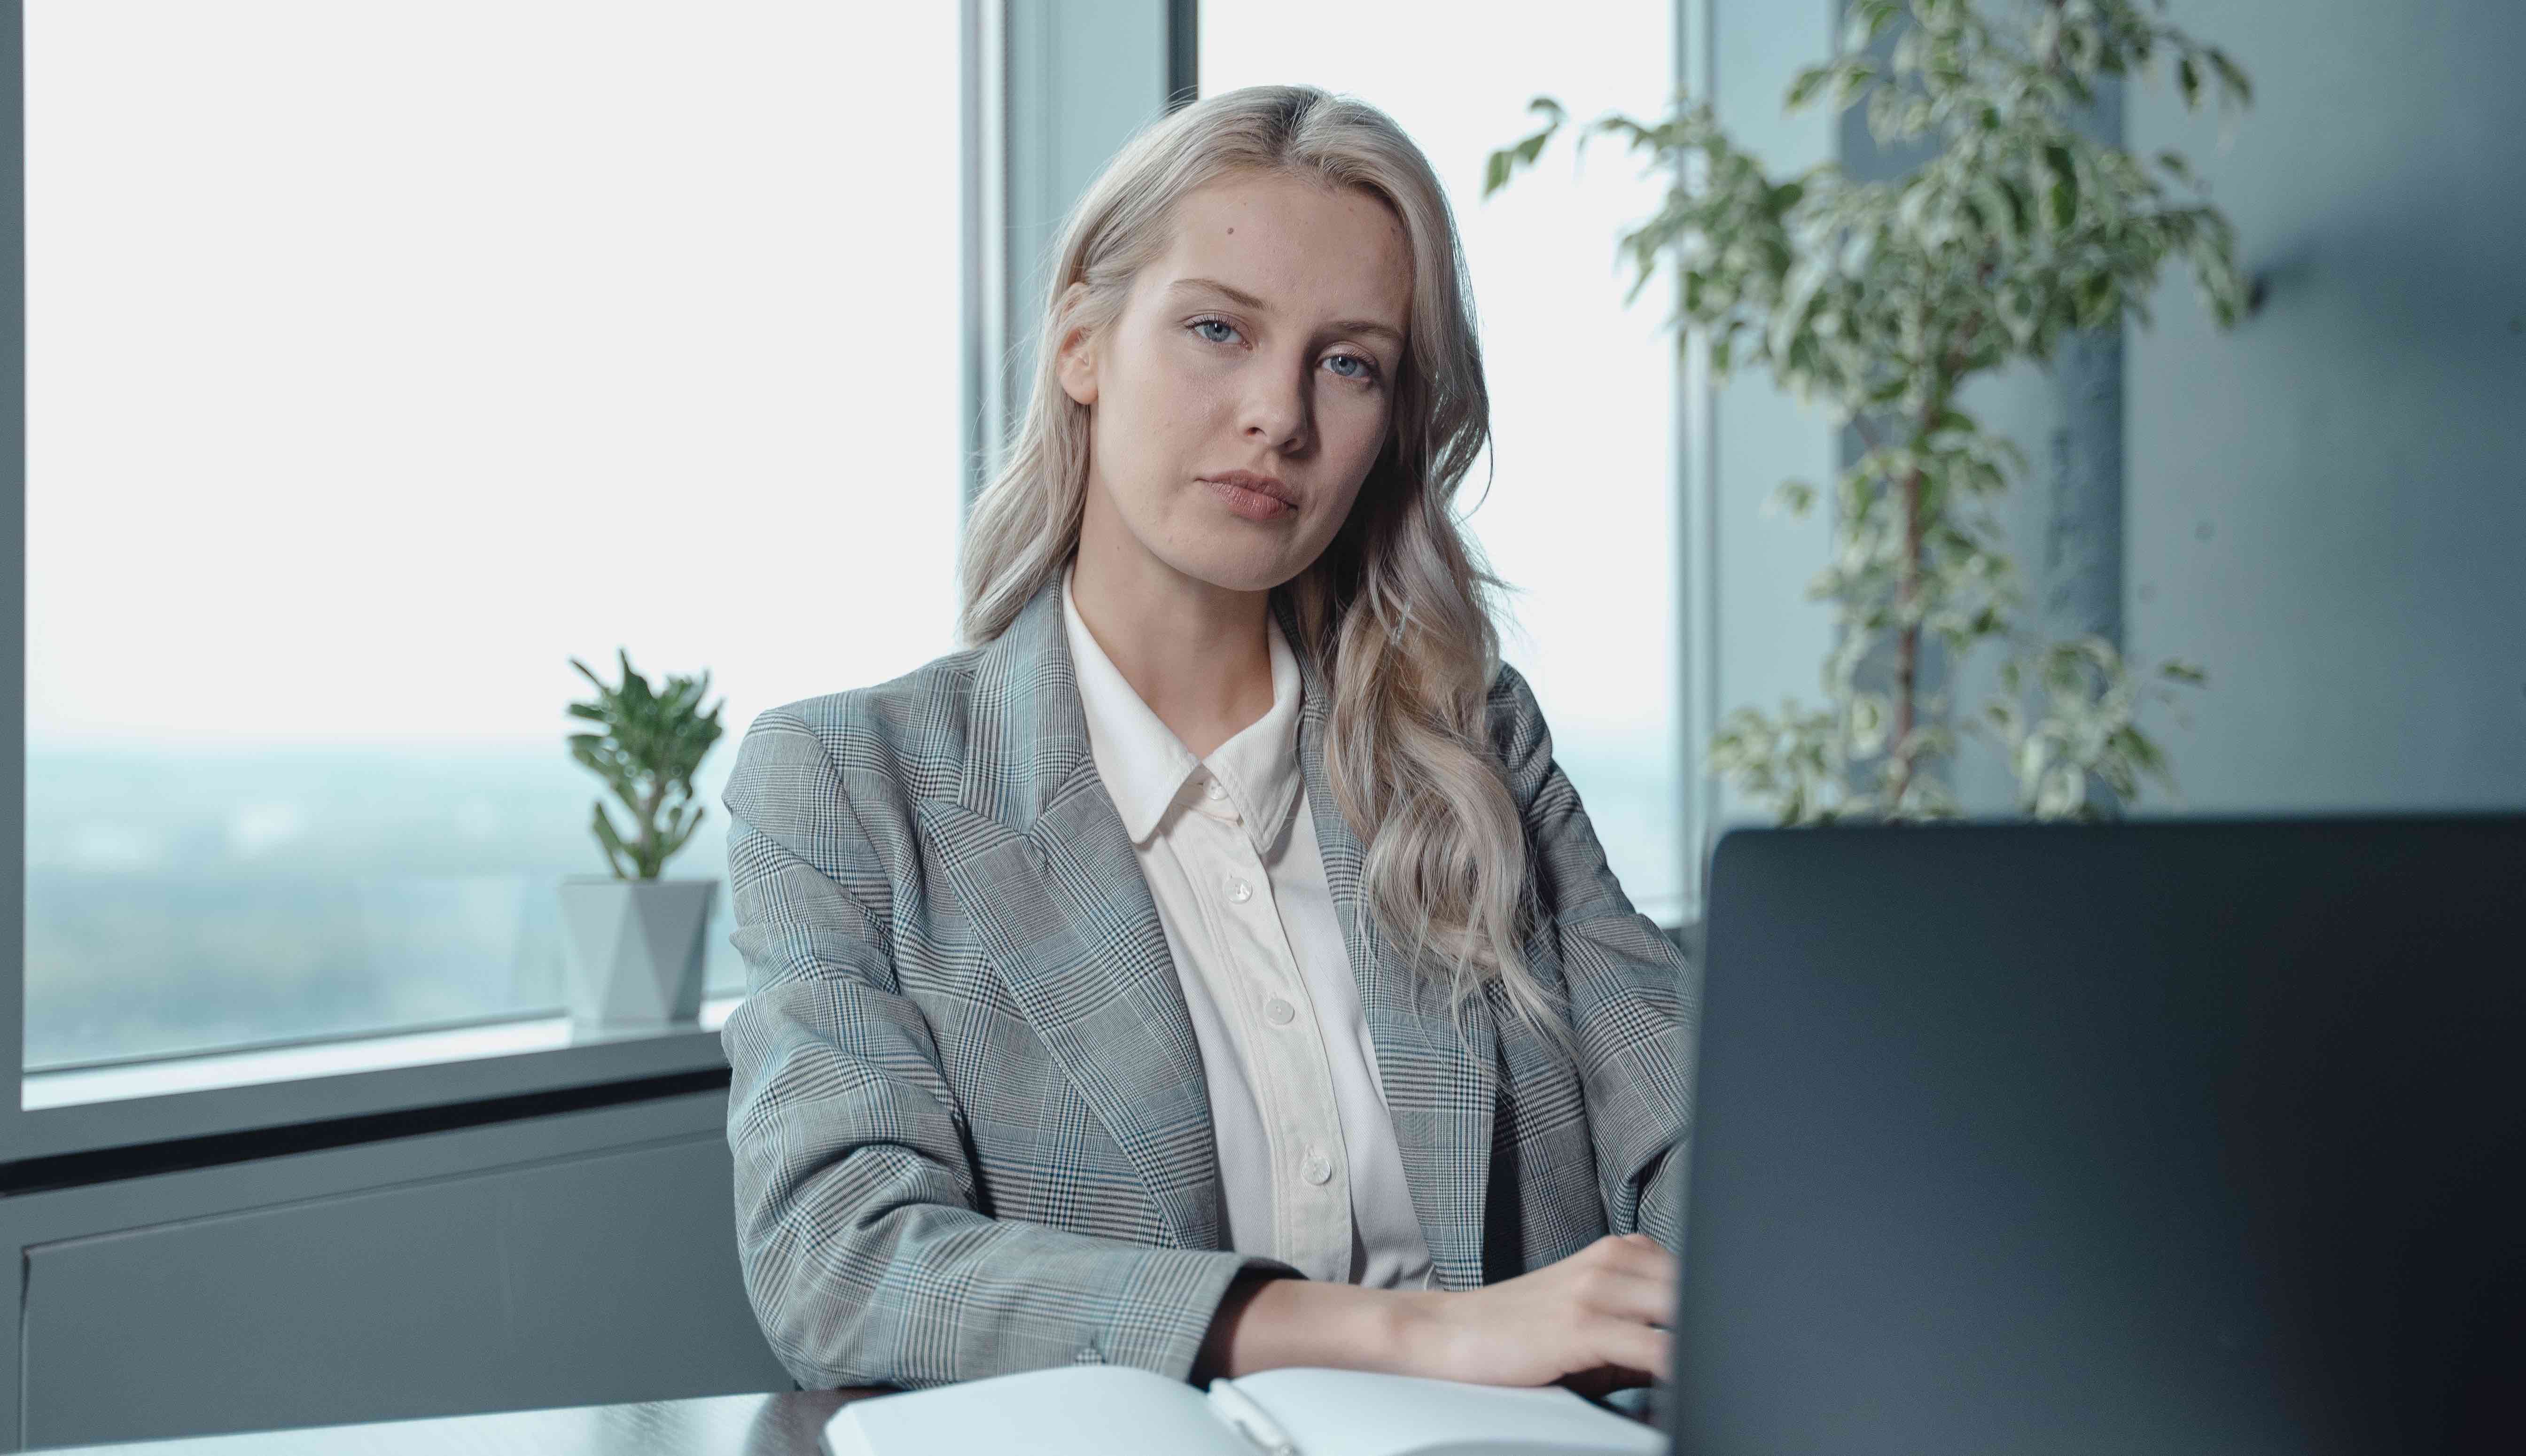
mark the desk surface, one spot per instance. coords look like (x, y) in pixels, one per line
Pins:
(785, 1424)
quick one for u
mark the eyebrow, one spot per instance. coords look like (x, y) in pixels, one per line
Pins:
(1243, 299)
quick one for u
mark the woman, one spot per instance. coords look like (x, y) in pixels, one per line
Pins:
(1209, 969)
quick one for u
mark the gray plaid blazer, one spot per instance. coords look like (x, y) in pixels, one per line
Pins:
(968, 1122)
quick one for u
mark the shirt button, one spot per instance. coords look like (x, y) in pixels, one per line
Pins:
(1215, 791)
(1239, 891)
(1280, 1012)
(1319, 1168)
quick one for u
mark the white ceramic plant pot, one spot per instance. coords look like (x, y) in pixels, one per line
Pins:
(633, 948)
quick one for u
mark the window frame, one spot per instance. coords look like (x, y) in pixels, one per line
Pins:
(16, 1127)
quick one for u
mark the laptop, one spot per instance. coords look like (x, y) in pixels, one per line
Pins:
(2189, 1135)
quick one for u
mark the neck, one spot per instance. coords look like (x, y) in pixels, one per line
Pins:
(1195, 652)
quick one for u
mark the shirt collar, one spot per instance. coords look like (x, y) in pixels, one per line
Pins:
(1144, 765)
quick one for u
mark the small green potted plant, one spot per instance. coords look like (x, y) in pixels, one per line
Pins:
(634, 940)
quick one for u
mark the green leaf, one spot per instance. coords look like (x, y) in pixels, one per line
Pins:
(2096, 300)
(611, 841)
(636, 688)
(1796, 497)
(2188, 79)
(1866, 18)
(2065, 185)
(1802, 89)
(2229, 73)
(2012, 201)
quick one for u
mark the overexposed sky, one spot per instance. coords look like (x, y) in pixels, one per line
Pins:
(381, 358)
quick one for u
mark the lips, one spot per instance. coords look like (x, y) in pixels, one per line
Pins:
(1260, 485)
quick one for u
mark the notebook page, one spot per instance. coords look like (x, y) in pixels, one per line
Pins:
(1071, 1410)
(1359, 1412)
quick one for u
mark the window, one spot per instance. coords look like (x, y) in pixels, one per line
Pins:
(1580, 515)
(381, 358)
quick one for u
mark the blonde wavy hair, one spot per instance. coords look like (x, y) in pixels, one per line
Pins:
(1393, 611)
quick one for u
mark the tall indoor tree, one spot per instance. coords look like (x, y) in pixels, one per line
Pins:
(1881, 299)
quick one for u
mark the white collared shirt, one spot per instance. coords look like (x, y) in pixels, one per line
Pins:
(1307, 1157)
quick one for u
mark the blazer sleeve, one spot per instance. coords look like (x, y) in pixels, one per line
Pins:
(1635, 997)
(857, 1235)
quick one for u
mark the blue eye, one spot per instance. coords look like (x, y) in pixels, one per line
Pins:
(1368, 367)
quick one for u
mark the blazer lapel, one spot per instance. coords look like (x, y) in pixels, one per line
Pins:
(1440, 1088)
(1041, 860)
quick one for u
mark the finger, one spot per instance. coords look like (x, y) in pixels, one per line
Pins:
(1636, 1283)
(1636, 1280)
(1635, 1347)
(1637, 1299)
(1633, 1254)
(1648, 1255)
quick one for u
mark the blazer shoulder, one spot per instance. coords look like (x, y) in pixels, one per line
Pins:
(903, 722)
(1510, 689)
(837, 773)
(1519, 737)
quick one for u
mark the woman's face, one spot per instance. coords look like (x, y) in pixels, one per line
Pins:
(1294, 381)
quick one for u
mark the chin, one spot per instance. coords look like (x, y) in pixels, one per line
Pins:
(1233, 570)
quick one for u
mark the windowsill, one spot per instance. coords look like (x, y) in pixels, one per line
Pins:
(81, 1109)
(78, 1109)
(205, 1071)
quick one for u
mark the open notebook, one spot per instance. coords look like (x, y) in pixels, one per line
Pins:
(1117, 1410)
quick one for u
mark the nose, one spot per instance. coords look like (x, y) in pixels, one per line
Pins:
(1275, 408)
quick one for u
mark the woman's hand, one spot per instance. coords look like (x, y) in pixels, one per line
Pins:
(1586, 1323)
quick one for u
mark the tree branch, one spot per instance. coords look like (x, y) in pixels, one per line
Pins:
(1907, 651)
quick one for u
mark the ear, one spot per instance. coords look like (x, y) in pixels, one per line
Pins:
(1077, 361)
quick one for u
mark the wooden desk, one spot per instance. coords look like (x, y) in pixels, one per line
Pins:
(785, 1424)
